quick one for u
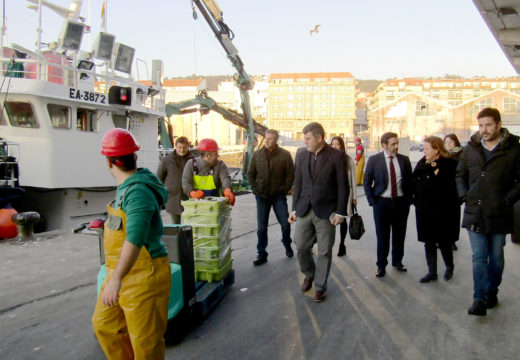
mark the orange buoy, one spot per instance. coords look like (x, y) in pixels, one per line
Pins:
(7, 226)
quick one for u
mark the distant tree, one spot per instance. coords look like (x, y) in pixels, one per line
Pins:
(453, 76)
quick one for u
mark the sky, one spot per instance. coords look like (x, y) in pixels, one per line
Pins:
(372, 39)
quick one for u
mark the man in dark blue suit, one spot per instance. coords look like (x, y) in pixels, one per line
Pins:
(319, 204)
(388, 188)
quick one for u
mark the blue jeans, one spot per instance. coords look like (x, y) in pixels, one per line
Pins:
(263, 208)
(488, 262)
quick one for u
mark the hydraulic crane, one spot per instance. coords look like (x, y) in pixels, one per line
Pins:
(213, 16)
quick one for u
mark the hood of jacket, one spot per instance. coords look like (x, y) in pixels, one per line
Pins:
(145, 176)
(506, 139)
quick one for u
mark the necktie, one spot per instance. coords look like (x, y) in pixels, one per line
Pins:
(393, 180)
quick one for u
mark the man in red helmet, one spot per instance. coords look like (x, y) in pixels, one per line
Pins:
(130, 317)
(206, 175)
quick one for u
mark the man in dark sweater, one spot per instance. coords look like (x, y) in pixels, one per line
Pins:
(170, 173)
(271, 174)
(488, 180)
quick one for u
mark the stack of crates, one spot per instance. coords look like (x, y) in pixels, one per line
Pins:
(210, 219)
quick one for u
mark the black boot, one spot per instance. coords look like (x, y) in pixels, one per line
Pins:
(478, 308)
(428, 277)
(491, 300)
(448, 274)
(342, 249)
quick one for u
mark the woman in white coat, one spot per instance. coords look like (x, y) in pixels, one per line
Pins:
(338, 143)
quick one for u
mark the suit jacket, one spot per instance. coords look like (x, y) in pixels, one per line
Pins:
(328, 191)
(376, 177)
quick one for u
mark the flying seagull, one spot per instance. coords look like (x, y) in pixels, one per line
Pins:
(315, 30)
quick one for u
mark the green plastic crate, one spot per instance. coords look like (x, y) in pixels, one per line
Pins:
(214, 275)
(204, 252)
(206, 219)
(212, 264)
(210, 229)
(211, 241)
(207, 204)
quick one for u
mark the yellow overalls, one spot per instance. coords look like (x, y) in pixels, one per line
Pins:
(134, 328)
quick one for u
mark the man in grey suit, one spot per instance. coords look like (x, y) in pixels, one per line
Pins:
(319, 203)
(388, 188)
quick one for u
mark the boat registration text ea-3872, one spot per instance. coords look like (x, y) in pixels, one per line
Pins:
(87, 96)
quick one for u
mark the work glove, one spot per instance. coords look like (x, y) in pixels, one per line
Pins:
(229, 194)
(196, 194)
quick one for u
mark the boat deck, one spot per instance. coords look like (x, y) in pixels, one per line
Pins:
(48, 292)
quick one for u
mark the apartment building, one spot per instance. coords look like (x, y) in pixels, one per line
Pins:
(419, 107)
(296, 99)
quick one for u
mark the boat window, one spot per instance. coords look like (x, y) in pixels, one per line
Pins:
(21, 114)
(119, 121)
(87, 120)
(59, 115)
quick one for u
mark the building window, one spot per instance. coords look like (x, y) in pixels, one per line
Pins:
(423, 109)
(341, 124)
(511, 105)
(484, 103)
(21, 114)
(290, 114)
(476, 93)
(87, 120)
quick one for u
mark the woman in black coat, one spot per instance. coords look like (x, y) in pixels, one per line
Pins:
(436, 206)
(452, 144)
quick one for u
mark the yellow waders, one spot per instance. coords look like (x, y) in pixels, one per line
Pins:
(360, 170)
(134, 328)
(205, 183)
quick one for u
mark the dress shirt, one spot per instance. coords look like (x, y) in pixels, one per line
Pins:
(388, 192)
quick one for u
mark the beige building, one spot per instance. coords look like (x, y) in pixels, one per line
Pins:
(296, 99)
(416, 108)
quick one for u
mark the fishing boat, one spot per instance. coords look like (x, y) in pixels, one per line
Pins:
(57, 102)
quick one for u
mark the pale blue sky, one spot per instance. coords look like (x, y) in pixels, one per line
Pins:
(372, 39)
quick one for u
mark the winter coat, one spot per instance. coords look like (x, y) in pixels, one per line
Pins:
(273, 177)
(437, 207)
(170, 173)
(489, 187)
(351, 173)
(456, 155)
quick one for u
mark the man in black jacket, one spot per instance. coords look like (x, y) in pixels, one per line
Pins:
(170, 173)
(319, 201)
(389, 190)
(271, 174)
(488, 180)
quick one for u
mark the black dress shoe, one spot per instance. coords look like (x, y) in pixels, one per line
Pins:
(260, 260)
(400, 267)
(289, 252)
(478, 308)
(306, 286)
(380, 273)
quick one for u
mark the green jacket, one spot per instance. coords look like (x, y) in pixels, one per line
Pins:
(271, 177)
(144, 197)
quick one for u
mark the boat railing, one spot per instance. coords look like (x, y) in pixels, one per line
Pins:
(59, 70)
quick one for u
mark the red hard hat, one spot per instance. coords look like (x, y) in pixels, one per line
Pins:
(208, 145)
(118, 142)
(357, 139)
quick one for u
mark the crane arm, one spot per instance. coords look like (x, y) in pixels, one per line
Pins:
(203, 103)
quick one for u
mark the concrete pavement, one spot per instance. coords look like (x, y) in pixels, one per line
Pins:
(47, 295)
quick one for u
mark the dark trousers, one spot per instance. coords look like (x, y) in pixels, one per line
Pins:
(390, 216)
(430, 249)
(176, 218)
(263, 208)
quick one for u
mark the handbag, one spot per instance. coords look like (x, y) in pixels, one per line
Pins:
(356, 226)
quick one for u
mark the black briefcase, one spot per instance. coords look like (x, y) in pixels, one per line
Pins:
(356, 226)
